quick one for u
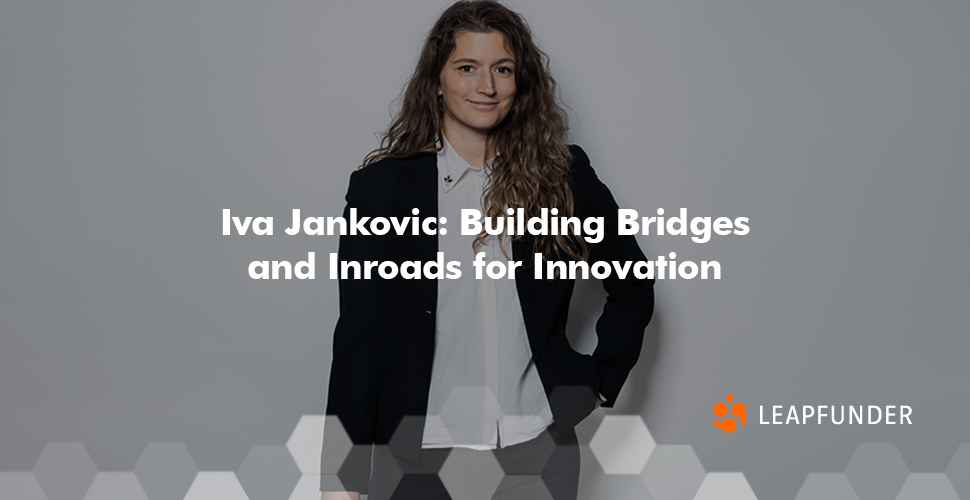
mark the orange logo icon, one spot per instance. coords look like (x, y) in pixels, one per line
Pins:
(729, 424)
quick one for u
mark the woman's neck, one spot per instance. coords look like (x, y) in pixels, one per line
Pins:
(469, 144)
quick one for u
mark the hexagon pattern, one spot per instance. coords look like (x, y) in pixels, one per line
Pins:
(622, 444)
(467, 474)
(540, 456)
(209, 485)
(591, 474)
(308, 488)
(586, 429)
(876, 471)
(725, 486)
(268, 472)
(411, 427)
(525, 486)
(166, 470)
(336, 445)
(115, 486)
(393, 473)
(622, 486)
(65, 470)
(621, 461)
(305, 443)
(20, 486)
(959, 471)
(827, 486)
(673, 472)
(922, 486)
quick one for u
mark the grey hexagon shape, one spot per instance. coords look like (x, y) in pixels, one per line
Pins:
(387, 471)
(268, 472)
(20, 486)
(927, 485)
(65, 470)
(959, 471)
(725, 486)
(116, 486)
(355, 469)
(616, 486)
(518, 486)
(586, 429)
(221, 485)
(336, 446)
(591, 474)
(407, 435)
(826, 486)
(166, 470)
(426, 484)
(469, 473)
(305, 443)
(396, 458)
(307, 488)
(876, 471)
(622, 444)
(541, 455)
(673, 472)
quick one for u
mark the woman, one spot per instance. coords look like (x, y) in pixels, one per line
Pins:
(475, 372)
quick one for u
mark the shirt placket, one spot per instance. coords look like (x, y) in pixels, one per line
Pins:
(490, 307)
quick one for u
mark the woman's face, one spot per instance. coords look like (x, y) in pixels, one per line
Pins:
(477, 83)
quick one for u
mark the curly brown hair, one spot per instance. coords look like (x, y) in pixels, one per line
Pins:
(533, 168)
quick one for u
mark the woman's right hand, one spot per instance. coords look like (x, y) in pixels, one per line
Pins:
(340, 495)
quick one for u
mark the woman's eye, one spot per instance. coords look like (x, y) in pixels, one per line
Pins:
(465, 69)
(504, 70)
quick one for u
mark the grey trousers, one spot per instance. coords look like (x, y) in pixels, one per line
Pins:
(544, 468)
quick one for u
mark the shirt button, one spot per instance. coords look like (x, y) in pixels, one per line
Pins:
(528, 294)
(537, 356)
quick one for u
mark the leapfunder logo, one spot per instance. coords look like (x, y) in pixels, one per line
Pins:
(856, 415)
(729, 424)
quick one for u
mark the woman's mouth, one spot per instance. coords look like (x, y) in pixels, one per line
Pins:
(486, 105)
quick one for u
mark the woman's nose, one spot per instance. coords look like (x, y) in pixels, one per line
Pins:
(486, 83)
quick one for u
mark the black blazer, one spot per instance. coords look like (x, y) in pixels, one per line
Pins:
(383, 344)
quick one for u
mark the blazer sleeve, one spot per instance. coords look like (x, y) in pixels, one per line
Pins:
(355, 368)
(629, 301)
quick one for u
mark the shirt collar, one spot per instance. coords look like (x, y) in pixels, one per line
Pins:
(452, 168)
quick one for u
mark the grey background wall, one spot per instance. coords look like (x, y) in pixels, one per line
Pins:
(840, 129)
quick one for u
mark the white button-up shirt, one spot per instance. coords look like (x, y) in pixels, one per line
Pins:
(485, 389)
